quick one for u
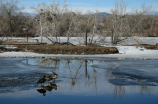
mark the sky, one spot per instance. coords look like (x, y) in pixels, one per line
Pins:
(91, 5)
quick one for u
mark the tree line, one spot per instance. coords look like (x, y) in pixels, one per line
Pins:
(56, 19)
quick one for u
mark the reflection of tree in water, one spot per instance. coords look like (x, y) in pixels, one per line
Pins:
(48, 62)
(95, 77)
(144, 89)
(71, 65)
(90, 77)
(86, 71)
(74, 67)
(119, 91)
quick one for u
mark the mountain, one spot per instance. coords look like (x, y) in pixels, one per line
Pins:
(100, 15)
(30, 14)
(153, 13)
(103, 15)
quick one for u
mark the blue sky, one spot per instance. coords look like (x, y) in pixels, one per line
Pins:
(84, 5)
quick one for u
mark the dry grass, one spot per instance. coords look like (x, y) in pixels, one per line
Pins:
(59, 49)
(51, 49)
(151, 47)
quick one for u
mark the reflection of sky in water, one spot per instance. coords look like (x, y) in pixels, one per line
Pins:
(87, 81)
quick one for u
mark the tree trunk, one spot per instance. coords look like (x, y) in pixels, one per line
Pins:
(85, 38)
(86, 72)
(41, 28)
(112, 38)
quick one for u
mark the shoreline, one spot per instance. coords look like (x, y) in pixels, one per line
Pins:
(124, 52)
(55, 56)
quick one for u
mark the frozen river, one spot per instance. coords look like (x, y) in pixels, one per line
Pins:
(80, 81)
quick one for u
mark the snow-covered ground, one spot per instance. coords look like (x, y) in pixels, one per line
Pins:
(124, 51)
(97, 39)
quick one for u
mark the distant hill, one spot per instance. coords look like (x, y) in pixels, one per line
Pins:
(102, 15)
(153, 13)
(30, 14)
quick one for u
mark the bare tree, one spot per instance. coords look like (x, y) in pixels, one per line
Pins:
(65, 22)
(51, 19)
(122, 25)
(10, 13)
(136, 21)
(89, 24)
(119, 21)
(41, 20)
(12, 18)
(152, 26)
(138, 16)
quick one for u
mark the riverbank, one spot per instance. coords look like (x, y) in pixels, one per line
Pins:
(124, 52)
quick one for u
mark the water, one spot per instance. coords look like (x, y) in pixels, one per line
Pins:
(80, 81)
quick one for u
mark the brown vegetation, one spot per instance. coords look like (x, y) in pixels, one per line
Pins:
(81, 50)
(58, 48)
(151, 47)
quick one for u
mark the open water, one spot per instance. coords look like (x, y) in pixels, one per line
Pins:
(79, 81)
